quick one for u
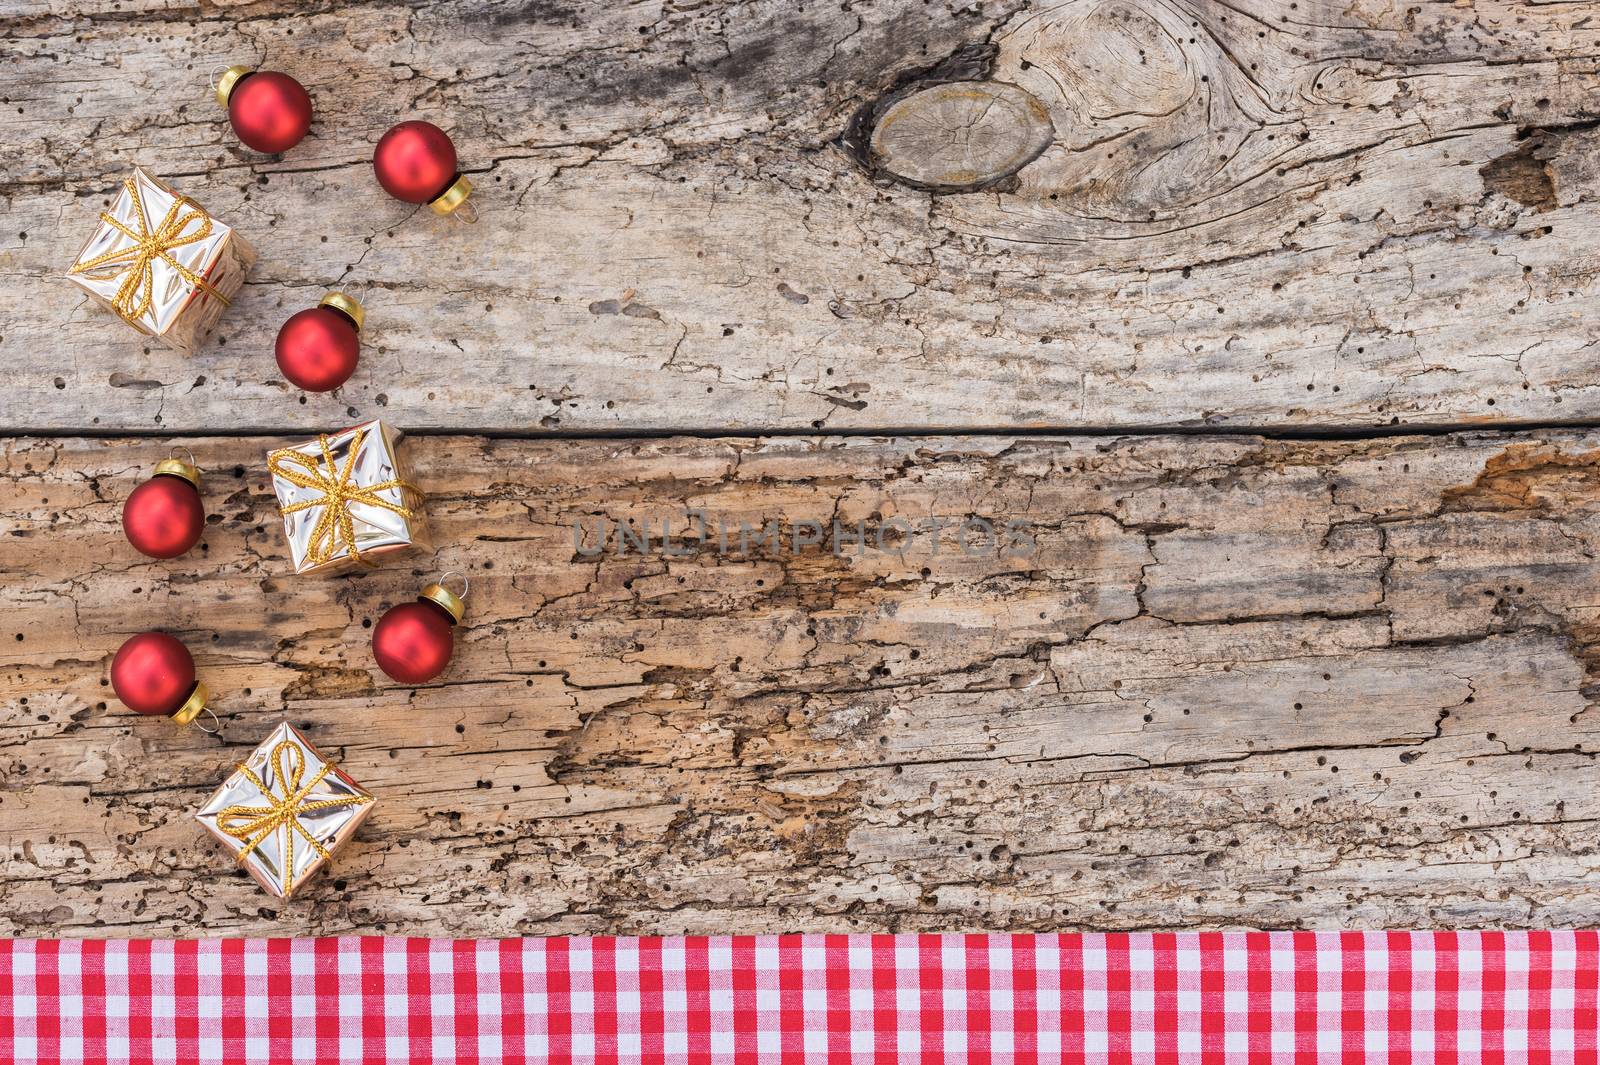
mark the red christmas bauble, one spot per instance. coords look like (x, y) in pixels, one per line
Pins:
(163, 517)
(413, 642)
(270, 112)
(415, 162)
(317, 349)
(153, 673)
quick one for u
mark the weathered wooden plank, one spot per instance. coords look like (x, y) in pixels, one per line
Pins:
(1330, 214)
(1238, 681)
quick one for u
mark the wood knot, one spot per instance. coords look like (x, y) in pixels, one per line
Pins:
(960, 136)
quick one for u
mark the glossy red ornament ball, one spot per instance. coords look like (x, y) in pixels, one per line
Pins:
(164, 517)
(271, 112)
(153, 673)
(413, 642)
(318, 348)
(415, 162)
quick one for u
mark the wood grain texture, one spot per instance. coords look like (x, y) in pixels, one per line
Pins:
(1251, 214)
(1239, 681)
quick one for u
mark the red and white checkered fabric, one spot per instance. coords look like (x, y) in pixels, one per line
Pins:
(1292, 997)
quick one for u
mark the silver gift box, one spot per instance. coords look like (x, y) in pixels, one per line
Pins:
(347, 499)
(162, 263)
(285, 810)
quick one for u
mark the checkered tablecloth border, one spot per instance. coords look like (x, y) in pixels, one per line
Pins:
(1293, 997)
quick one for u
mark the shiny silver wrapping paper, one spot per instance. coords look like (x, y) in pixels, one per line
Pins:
(283, 859)
(376, 530)
(180, 313)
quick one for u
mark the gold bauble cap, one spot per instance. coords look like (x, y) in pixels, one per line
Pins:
(229, 79)
(346, 305)
(454, 196)
(444, 598)
(191, 706)
(176, 467)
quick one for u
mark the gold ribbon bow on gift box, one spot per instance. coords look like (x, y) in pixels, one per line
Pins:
(137, 291)
(255, 824)
(338, 492)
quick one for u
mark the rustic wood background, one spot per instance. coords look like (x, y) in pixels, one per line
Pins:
(1268, 318)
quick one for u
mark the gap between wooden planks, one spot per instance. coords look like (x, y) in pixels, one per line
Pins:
(1242, 682)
